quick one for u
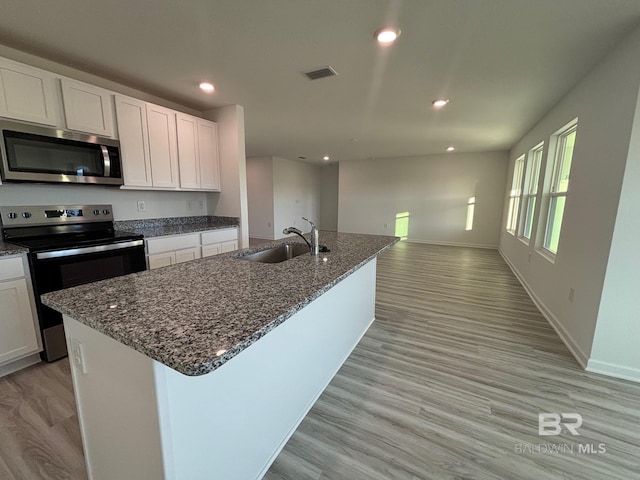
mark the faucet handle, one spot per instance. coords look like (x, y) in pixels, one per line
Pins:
(312, 224)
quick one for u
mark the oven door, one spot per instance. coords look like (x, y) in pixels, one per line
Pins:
(55, 270)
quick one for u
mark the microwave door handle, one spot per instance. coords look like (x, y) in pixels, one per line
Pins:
(106, 160)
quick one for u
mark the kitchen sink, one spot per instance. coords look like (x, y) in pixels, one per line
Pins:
(276, 254)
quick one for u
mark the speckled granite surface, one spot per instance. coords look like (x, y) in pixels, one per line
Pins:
(195, 316)
(159, 227)
(9, 249)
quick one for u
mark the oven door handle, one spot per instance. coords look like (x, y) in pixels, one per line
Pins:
(106, 160)
(84, 250)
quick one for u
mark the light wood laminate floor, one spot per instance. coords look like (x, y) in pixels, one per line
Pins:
(446, 384)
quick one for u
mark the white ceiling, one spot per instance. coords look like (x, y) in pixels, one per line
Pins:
(503, 63)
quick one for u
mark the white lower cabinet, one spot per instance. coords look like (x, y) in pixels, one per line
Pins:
(215, 242)
(18, 333)
(169, 250)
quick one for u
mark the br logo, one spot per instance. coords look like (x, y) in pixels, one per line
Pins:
(552, 423)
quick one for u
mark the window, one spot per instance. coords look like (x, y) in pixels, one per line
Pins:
(531, 190)
(559, 186)
(471, 207)
(514, 195)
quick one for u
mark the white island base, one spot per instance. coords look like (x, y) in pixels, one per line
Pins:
(142, 420)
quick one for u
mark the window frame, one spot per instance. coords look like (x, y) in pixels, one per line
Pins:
(530, 191)
(515, 194)
(556, 195)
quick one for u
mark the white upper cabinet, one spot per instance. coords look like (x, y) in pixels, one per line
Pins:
(198, 153)
(134, 141)
(188, 151)
(163, 150)
(27, 94)
(208, 154)
(87, 108)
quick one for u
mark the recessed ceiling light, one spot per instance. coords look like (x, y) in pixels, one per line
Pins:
(325, 158)
(207, 87)
(450, 148)
(440, 102)
(386, 35)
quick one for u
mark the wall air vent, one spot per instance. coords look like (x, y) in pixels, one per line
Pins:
(321, 73)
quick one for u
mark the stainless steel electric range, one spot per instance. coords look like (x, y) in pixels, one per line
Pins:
(69, 246)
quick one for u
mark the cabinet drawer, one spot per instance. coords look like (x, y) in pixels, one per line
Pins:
(11, 268)
(218, 236)
(210, 250)
(177, 242)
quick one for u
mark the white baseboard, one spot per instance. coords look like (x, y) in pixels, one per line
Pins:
(613, 370)
(452, 244)
(19, 364)
(562, 332)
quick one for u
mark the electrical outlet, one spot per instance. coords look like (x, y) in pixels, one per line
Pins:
(529, 257)
(189, 205)
(77, 355)
(200, 205)
(386, 225)
(141, 206)
(268, 224)
(572, 294)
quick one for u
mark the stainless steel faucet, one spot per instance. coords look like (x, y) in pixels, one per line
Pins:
(314, 245)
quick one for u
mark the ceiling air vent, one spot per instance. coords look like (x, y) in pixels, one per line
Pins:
(321, 73)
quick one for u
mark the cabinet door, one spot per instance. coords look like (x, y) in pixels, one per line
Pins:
(228, 246)
(208, 155)
(188, 151)
(161, 260)
(187, 254)
(131, 116)
(87, 108)
(210, 250)
(18, 335)
(163, 151)
(27, 94)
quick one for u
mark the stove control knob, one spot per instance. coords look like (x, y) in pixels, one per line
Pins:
(96, 212)
(26, 214)
(12, 215)
(106, 211)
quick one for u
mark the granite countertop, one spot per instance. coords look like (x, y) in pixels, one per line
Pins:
(9, 249)
(195, 316)
(159, 227)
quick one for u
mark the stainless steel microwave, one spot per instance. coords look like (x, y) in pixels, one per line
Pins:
(39, 154)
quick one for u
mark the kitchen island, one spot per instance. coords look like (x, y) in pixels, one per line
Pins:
(205, 369)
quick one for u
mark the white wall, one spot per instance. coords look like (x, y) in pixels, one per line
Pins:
(260, 197)
(232, 199)
(158, 204)
(434, 189)
(329, 177)
(296, 191)
(605, 104)
(615, 345)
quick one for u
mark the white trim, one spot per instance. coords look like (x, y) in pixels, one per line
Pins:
(564, 335)
(613, 370)
(19, 364)
(452, 244)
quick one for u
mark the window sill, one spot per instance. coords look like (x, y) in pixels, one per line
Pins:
(547, 255)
